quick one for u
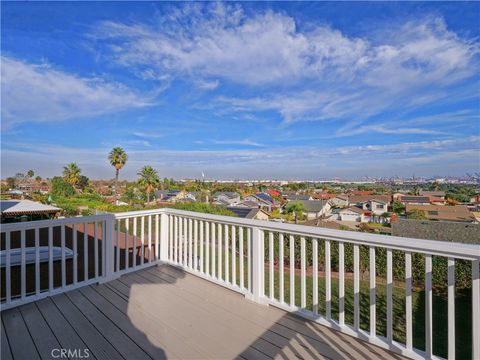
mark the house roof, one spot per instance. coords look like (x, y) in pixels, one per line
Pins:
(264, 197)
(414, 198)
(244, 212)
(443, 212)
(312, 205)
(352, 209)
(248, 204)
(21, 207)
(357, 199)
(228, 194)
(259, 199)
(294, 197)
(324, 196)
(222, 202)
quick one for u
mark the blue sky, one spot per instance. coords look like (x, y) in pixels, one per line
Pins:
(242, 90)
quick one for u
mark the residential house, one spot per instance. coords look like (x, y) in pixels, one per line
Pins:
(339, 201)
(262, 201)
(170, 195)
(226, 198)
(459, 213)
(314, 208)
(364, 201)
(376, 207)
(353, 213)
(249, 213)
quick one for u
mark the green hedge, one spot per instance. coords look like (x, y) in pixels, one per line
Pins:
(463, 277)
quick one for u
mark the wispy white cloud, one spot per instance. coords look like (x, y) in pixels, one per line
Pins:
(148, 135)
(247, 142)
(207, 85)
(41, 93)
(143, 143)
(322, 72)
(384, 129)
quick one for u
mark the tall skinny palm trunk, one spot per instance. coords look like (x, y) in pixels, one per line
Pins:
(117, 171)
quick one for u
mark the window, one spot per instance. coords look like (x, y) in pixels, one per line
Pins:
(379, 206)
(432, 212)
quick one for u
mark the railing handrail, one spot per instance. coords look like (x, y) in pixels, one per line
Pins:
(127, 214)
(168, 233)
(52, 222)
(432, 247)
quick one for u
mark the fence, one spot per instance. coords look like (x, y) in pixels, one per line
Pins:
(316, 273)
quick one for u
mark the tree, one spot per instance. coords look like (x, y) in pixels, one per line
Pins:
(62, 188)
(398, 207)
(435, 186)
(118, 158)
(416, 190)
(38, 179)
(83, 182)
(295, 208)
(148, 179)
(132, 195)
(30, 174)
(71, 174)
(11, 182)
(416, 214)
(19, 178)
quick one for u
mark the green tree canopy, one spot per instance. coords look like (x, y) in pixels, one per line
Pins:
(83, 182)
(148, 179)
(295, 208)
(62, 188)
(71, 173)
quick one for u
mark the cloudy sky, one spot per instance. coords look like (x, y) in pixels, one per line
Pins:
(242, 90)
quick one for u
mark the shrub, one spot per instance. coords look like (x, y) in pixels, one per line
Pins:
(61, 188)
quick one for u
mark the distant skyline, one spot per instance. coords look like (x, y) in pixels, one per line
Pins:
(288, 90)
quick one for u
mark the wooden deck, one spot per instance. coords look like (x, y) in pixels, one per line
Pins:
(163, 312)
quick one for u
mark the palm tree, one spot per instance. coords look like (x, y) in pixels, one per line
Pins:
(117, 157)
(71, 173)
(149, 180)
(296, 209)
(30, 175)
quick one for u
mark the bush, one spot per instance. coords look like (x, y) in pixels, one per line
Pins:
(203, 208)
(439, 264)
(69, 210)
(61, 188)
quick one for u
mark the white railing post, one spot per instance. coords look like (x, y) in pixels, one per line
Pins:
(258, 266)
(109, 250)
(164, 226)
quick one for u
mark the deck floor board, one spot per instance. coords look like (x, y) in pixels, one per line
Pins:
(163, 312)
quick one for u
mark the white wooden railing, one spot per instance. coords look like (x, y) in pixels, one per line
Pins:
(255, 258)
